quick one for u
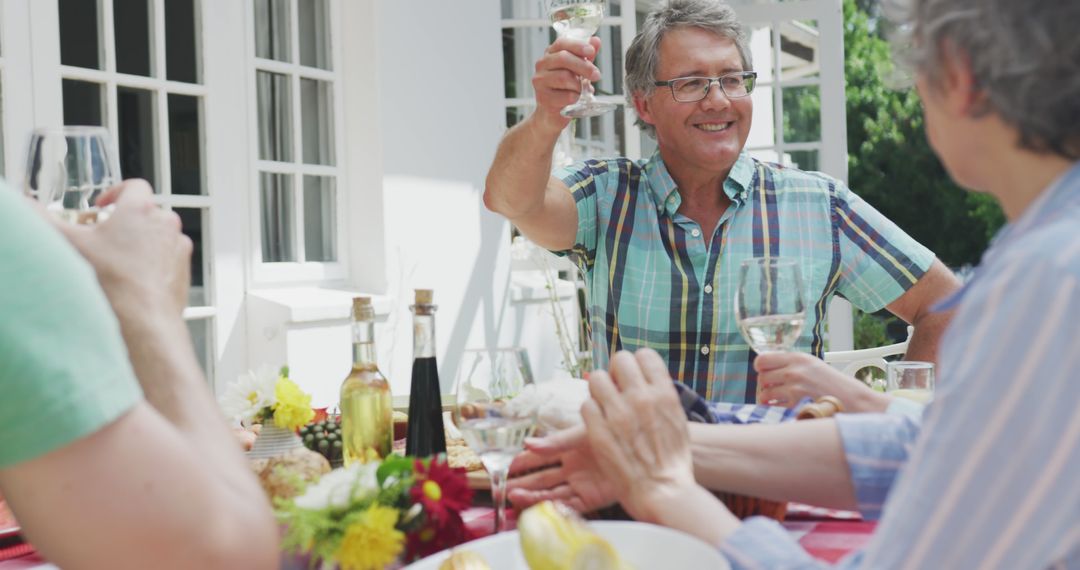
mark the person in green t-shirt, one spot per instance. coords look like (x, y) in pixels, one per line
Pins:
(113, 452)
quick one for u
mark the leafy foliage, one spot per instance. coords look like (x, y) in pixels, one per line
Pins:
(890, 162)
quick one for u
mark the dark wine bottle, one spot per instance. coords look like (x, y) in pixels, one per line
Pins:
(425, 435)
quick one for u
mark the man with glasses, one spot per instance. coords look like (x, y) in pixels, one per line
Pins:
(660, 240)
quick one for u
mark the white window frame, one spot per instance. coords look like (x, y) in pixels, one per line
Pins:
(281, 273)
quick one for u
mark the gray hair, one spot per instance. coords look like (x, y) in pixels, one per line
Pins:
(644, 54)
(1024, 55)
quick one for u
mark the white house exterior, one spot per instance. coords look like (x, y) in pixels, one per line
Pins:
(316, 149)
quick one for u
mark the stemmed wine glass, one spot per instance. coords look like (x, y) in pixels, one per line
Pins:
(769, 303)
(579, 19)
(66, 169)
(493, 427)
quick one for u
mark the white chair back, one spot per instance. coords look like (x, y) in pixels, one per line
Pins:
(851, 361)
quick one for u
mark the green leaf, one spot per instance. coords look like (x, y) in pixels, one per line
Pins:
(395, 465)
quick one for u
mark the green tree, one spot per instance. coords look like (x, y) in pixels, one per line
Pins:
(890, 162)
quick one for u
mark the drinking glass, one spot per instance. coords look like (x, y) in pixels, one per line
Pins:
(491, 425)
(910, 379)
(67, 168)
(769, 304)
(579, 19)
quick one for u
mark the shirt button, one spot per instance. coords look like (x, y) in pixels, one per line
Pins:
(695, 232)
(704, 350)
(671, 200)
(708, 289)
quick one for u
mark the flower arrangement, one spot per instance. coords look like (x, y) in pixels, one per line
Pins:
(267, 395)
(370, 515)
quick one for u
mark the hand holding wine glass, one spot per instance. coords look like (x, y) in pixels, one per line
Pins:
(68, 168)
(496, 430)
(579, 19)
(769, 303)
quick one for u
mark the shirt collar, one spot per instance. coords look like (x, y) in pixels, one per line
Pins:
(664, 191)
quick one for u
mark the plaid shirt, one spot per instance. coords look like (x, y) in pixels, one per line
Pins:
(654, 280)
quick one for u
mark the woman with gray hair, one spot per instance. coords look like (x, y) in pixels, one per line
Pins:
(660, 240)
(989, 480)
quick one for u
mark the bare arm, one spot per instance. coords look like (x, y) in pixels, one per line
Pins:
(914, 307)
(519, 184)
(165, 485)
(801, 461)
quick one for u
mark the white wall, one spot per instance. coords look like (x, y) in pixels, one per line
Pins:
(442, 117)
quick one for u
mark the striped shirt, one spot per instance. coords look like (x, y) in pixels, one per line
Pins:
(655, 280)
(994, 479)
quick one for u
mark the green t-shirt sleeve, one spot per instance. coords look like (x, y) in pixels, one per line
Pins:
(64, 370)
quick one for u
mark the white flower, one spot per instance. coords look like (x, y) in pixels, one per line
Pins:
(250, 393)
(340, 487)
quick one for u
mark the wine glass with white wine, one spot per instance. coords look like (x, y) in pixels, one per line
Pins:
(491, 424)
(769, 303)
(67, 168)
(579, 19)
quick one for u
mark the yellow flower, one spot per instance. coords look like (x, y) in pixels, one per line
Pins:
(372, 542)
(292, 408)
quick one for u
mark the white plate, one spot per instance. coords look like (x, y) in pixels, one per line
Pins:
(643, 546)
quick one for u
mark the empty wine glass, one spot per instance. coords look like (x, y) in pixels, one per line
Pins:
(579, 19)
(769, 303)
(67, 168)
(910, 379)
(491, 424)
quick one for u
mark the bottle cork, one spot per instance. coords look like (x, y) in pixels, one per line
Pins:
(424, 296)
(362, 308)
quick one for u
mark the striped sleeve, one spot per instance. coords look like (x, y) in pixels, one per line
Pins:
(879, 261)
(993, 483)
(876, 446)
(584, 180)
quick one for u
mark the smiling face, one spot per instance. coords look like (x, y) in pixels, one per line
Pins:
(706, 137)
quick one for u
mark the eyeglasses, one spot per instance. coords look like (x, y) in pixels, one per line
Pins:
(692, 89)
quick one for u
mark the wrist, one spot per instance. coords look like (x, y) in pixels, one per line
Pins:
(547, 125)
(864, 399)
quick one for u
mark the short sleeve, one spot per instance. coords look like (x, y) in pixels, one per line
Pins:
(879, 261)
(64, 371)
(586, 181)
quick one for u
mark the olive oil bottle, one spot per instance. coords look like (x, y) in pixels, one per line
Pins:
(366, 407)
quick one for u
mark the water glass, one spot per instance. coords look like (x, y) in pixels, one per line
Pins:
(910, 379)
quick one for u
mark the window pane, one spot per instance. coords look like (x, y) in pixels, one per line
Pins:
(802, 113)
(317, 114)
(276, 212)
(79, 41)
(82, 103)
(762, 132)
(131, 19)
(2, 169)
(314, 33)
(319, 219)
(275, 122)
(185, 148)
(610, 62)
(599, 136)
(135, 119)
(272, 29)
(515, 115)
(202, 338)
(192, 221)
(521, 48)
(799, 49)
(802, 159)
(181, 53)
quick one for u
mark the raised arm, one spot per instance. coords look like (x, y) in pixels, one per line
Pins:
(519, 184)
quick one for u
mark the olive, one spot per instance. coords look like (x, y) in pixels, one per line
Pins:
(332, 436)
(308, 439)
(323, 445)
